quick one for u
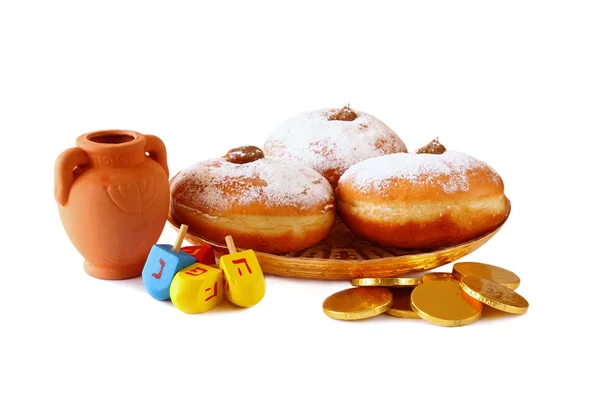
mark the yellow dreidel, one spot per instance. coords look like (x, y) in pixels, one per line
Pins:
(197, 288)
(244, 280)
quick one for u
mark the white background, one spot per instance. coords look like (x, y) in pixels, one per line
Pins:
(513, 83)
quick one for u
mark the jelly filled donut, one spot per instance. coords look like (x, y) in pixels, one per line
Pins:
(331, 140)
(429, 199)
(265, 204)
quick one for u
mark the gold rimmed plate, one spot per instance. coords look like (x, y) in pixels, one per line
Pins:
(342, 256)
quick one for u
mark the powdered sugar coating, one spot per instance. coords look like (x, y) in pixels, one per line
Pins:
(418, 169)
(218, 184)
(323, 145)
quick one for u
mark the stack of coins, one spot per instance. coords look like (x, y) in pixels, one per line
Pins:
(442, 298)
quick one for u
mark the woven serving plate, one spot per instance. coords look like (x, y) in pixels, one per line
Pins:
(343, 256)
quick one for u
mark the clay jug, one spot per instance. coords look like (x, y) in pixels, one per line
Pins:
(112, 192)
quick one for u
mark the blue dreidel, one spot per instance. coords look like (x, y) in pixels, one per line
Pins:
(163, 262)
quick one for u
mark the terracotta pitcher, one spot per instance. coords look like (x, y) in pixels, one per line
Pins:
(112, 192)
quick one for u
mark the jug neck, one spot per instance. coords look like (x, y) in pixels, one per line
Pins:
(113, 148)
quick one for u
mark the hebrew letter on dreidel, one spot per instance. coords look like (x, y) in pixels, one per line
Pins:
(197, 288)
(245, 283)
(162, 264)
(203, 254)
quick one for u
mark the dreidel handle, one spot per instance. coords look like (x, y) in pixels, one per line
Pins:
(230, 244)
(182, 231)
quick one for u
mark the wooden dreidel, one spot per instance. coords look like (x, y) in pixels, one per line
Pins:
(203, 254)
(244, 280)
(197, 288)
(163, 262)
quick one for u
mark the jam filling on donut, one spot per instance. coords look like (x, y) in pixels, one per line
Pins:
(344, 114)
(434, 147)
(244, 154)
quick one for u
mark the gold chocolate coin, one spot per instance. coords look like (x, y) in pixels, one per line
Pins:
(358, 303)
(445, 303)
(500, 275)
(399, 281)
(401, 307)
(438, 276)
(494, 294)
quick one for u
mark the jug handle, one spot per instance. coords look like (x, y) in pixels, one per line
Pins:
(157, 151)
(64, 174)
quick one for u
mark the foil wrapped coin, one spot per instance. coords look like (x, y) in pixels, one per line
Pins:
(358, 303)
(390, 282)
(401, 307)
(494, 295)
(438, 276)
(500, 275)
(445, 303)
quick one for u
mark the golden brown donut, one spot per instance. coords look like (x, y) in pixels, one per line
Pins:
(421, 201)
(331, 140)
(268, 205)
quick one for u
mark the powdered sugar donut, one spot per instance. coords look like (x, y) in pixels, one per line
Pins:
(422, 200)
(265, 204)
(331, 140)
